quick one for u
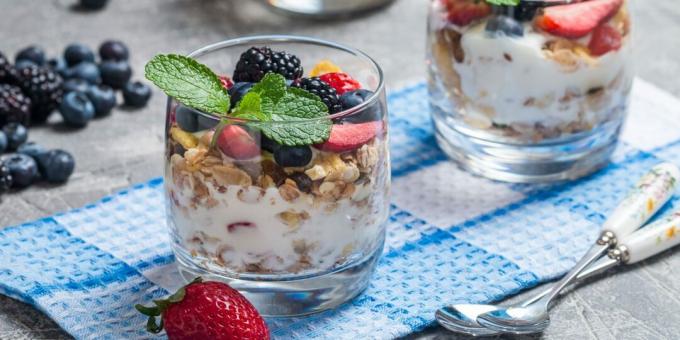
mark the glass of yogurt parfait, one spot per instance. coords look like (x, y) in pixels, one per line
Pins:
(530, 92)
(284, 192)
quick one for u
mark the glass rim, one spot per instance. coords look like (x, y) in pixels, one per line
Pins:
(263, 40)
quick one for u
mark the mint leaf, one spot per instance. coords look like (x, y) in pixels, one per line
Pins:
(272, 85)
(250, 107)
(295, 105)
(503, 2)
(190, 82)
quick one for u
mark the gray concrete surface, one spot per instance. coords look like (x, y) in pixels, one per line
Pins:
(641, 302)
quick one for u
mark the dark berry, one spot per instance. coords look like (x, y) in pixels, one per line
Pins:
(44, 87)
(93, 4)
(7, 71)
(526, 11)
(76, 85)
(85, 70)
(23, 169)
(293, 156)
(14, 105)
(56, 166)
(355, 98)
(206, 123)
(24, 63)
(16, 133)
(32, 149)
(187, 118)
(254, 63)
(5, 178)
(501, 24)
(115, 73)
(136, 94)
(3, 142)
(327, 94)
(58, 65)
(268, 144)
(113, 50)
(103, 99)
(32, 53)
(238, 91)
(75, 54)
(304, 183)
(76, 109)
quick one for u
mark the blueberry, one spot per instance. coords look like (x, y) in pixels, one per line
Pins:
(75, 54)
(206, 123)
(187, 118)
(115, 73)
(32, 149)
(24, 63)
(355, 98)
(93, 4)
(32, 53)
(5, 178)
(293, 156)
(113, 50)
(76, 109)
(86, 71)
(3, 141)
(103, 99)
(56, 166)
(238, 91)
(58, 65)
(304, 183)
(268, 144)
(501, 24)
(76, 85)
(136, 94)
(23, 169)
(16, 133)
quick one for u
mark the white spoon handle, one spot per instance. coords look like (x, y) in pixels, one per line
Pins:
(651, 192)
(650, 240)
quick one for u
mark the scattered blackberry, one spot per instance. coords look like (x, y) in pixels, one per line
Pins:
(257, 61)
(14, 105)
(44, 87)
(324, 91)
(7, 73)
(5, 178)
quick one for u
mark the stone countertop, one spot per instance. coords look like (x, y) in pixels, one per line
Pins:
(640, 302)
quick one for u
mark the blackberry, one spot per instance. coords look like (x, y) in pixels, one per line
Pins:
(5, 178)
(318, 87)
(7, 72)
(44, 87)
(258, 61)
(14, 105)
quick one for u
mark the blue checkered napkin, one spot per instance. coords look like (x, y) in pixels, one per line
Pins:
(452, 237)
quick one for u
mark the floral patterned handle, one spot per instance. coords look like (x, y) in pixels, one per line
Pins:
(651, 192)
(650, 240)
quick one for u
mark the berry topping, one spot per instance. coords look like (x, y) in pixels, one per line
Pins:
(238, 91)
(578, 19)
(320, 88)
(206, 310)
(237, 143)
(136, 94)
(356, 98)
(258, 61)
(5, 178)
(227, 83)
(103, 99)
(76, 109)
(23, 168)
(43, 86)
(501, 24)
(605, 38)
(348, 137)
(463, 12)
(293, 156)
(16, 134)
(74, 54)
(341, 82)
(14, 105)
(115, 73)
(323, 67)
(187, 118)
(32, 53)
(113, 50)
(85, 70)
(56, 166)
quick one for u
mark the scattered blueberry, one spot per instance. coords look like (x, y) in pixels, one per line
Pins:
(24, 63)
(115, 73)
(76, 53)
(32, 149)
(355, 98)
(58, 65)
(113, 50)
(238, 91)
(187, 118)
(32, 53)
(304, 183)
(268, 144)
(56, 166)
(85, 70)
(501, 24)
(23, 169)
(76, 85)
(136, 94)
(103, 99)
(3, 141)
(76, 109)
(293, 156)
(16, 133)
(5, 178)
(93, 4)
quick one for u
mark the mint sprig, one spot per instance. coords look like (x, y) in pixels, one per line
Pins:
(503, 2)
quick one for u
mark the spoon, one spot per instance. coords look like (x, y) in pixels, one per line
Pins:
(651, 192)
(463, 317)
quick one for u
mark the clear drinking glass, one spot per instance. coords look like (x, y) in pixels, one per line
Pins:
(529, 93)
(293, 240)
(327, 8)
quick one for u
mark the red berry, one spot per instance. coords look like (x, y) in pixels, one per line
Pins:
(233, 226)
(463, 12)
(237, 143)
(578, 19)
(605, 38)
(227, 83)
(207, 310)
(341, 82)
(348, 137)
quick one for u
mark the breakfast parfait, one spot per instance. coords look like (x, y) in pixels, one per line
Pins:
(271, 170)
(528, 72)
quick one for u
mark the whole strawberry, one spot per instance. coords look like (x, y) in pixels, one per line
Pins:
(206, 310)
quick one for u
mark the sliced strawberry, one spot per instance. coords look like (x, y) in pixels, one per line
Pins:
(237, 143)
(463, 12)
(346, 137)
(605, 38)
(227, 83)
(341, 82)
(577, 20)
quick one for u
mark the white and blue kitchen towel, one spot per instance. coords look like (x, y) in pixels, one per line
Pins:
(452, 237)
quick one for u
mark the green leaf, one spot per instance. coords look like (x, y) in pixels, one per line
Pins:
(250, 107)
(296, 105)
(148, 311)
(190, 82)
(272, 86)
(503, 2)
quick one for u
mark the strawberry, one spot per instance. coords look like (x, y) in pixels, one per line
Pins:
(578, 19)
(206, 310)
(227, 83)
(605, 38)
(341, 82)
(237, 143)
(463, 12)
(346, 137)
